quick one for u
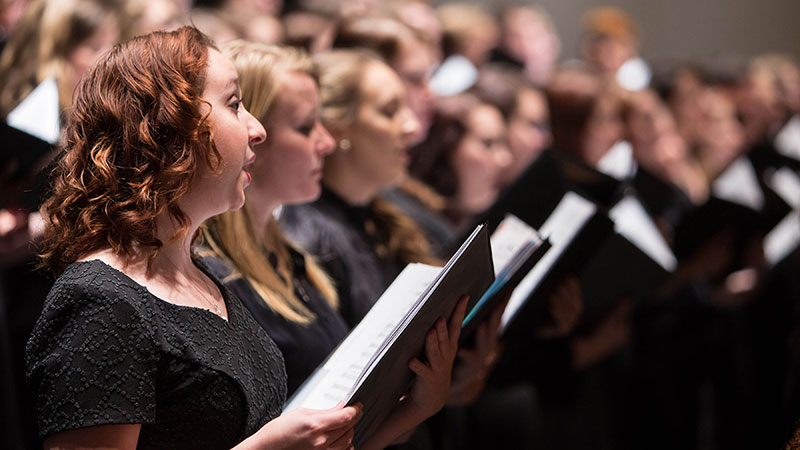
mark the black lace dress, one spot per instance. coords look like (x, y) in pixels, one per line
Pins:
(107, 351)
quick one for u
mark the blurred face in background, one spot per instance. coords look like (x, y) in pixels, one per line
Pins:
(723, 137)
(414, 63)
(480, 159)
(653, 134)
(528, 132)
(383, 129)
(530, 38)
(83, 55)
(603, 129)
(606, 53)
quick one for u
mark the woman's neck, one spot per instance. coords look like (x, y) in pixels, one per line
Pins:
(345, 181)
(174, 254)
(260, 212)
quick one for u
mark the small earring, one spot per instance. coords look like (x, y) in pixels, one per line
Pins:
(344, 144)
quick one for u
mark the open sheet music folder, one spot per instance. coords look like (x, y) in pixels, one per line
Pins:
(371, 365)
(575, 229)
(516, 248)
(631, 263)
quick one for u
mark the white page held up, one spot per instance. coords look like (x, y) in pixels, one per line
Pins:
(37, 114)
(511, 235)
(632, 222)
(618, 161)
(338, 377)
(787, 141)
(783, 239)
(561, 227)
(786, 183)
(739, 184)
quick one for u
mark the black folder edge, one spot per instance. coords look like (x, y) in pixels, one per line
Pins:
(505, 282)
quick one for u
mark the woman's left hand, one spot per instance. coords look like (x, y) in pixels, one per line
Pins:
(432, 384)
(474, 365)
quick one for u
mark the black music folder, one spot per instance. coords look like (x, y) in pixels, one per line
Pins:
(516, 248)
(632, 262)
(28, 134)
(371, 365)
(576, 228)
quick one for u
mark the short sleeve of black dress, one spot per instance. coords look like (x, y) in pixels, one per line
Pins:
(91, 357)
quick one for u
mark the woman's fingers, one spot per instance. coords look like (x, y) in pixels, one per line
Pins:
(457, 319)
(343, 441)
(442, 337)
(340, 418)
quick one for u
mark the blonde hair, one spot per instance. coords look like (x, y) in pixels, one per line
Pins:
(232, 235)
(47, 33)
(394, 234)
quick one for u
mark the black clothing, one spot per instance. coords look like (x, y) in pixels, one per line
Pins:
(304, 346)
(438, 231)
(107, 351)
(334, 231)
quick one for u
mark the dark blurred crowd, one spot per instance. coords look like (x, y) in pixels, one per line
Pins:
(708, 360)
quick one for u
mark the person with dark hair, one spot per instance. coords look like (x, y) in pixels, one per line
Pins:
(524, 108)
(464, 156)
(138, 346)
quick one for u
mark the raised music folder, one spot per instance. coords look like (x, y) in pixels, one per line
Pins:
(516, 248)
(371, 365)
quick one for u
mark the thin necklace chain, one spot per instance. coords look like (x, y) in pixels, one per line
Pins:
(202, 295)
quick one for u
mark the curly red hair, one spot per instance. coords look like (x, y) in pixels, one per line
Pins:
(131, 146)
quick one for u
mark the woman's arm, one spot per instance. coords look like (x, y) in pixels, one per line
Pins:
(120, 437)
(301, 429)
(473, 366)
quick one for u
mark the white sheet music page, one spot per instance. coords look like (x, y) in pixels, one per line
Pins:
(618, 161)
(739, 184)
(787, 141)
(561, 227)
(783, 239)
(337, 379)
(511, 235)
(37, 114)
(786, 183)
(632, 221)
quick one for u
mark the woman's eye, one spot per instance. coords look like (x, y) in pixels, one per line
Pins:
(236, 105)
(391, 109)
(306, 129)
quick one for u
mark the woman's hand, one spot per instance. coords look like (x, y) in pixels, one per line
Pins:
(432, 384)
(307, 429)
(474, 365)
(18, 230)
(608, 336)
(566, 306)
